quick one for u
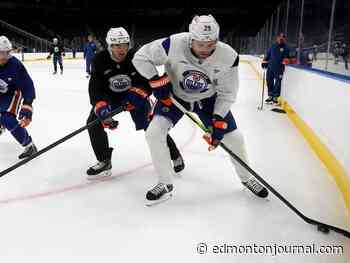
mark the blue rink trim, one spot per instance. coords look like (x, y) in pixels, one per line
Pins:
(331, 75)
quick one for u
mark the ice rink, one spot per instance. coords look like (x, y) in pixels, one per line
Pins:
(49, 212)
(332, 67)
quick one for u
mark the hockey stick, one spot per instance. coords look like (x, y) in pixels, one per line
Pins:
(261, 107)
(320, 226)
(54, 144)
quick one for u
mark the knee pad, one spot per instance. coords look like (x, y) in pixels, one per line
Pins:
(9, 121)
(158, 129)
(235, 141)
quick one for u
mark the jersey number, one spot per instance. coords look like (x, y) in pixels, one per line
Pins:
(207, 28)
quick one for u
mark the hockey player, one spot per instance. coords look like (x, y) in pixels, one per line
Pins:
(275, 60)
(306, 58)
(201, 73)
(336, 53)
(89, 53)
(15, 85)
(58, 51)
(344, 52)
(115, 82)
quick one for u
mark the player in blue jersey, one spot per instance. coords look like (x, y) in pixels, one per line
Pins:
(16, 97)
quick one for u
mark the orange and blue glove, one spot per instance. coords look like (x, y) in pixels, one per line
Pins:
(285, 61)
(135, 98)
(162, 87)
(218, 130)
(264, 64)
(102, 110)
(25, 115)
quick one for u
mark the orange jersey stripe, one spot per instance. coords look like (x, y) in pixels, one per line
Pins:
(139, 91)
(13, 108)
(159, 82)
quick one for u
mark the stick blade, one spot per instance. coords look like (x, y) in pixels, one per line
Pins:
(278, 110)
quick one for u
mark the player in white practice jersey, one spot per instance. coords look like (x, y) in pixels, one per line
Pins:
(201, 73)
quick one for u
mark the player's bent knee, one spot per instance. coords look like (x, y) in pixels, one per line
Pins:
(153, 133)
(8, 120)
(158, 129)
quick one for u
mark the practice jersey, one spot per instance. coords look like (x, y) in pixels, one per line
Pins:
(13, 78)
(193, 79)
(56, 49)
(111, 80)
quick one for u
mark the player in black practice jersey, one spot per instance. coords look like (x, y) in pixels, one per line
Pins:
(58, 51)
(115, 82)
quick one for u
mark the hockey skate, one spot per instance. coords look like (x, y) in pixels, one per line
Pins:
(275, 101)
(255, 187)
(179, 164)
(29, 150)
(54, 73)
(269, 100)
(158, 194)
(100, 170)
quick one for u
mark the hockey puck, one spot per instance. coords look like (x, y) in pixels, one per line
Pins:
(323, 229)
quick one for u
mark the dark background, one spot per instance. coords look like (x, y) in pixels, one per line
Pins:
(239, 19)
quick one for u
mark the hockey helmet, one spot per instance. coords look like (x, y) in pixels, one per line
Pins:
(204, 28)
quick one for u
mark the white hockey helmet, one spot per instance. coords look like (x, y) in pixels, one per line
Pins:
(117, 35)
(55, 40)
(204, 28)
(5, 44)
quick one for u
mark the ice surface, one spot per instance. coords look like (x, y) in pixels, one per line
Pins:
(49, 212)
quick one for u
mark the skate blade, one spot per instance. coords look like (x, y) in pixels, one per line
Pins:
(250, 193)
(179, 170)
(164, 198)
(100, 176)
(179, 175)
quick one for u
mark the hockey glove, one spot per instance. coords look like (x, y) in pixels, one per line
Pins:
(25, 115)
(102, 110)
(161, 87)
(285, 61)
(218, 130)
(135, 98)
(264, 64)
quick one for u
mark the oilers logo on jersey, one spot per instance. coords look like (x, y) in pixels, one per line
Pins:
(119, 83)
(3, 86)
(194, 81)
